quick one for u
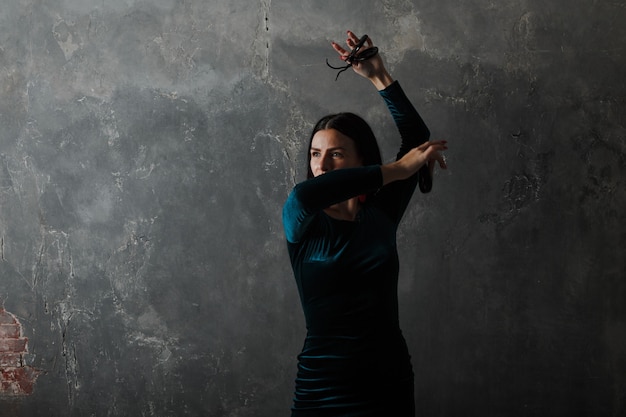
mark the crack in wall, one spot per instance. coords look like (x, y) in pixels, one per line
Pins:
(261, 44)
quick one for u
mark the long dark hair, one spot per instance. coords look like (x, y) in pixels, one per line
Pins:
(355, 128)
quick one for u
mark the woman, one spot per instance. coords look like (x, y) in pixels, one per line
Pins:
(340, 226)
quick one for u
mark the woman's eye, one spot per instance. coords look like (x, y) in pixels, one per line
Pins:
(337, 155)
(315, 154)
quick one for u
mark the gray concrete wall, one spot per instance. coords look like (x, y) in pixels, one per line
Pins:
(147, 146)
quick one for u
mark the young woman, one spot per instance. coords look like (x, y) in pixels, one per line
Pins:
(340, 226)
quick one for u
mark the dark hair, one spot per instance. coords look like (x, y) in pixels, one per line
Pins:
(355, 128)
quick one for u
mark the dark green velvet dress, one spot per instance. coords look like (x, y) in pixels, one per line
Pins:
(355, 361)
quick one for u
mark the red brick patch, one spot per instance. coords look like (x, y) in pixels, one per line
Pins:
(15, 378)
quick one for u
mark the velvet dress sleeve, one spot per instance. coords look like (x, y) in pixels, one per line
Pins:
(412, 129)
(310, 197)
(394, 198)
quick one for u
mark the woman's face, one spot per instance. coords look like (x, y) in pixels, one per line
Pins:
(331, 149)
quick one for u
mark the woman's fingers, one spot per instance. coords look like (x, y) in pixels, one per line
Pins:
(342, 52)
(352, 39)
(441, 160)
(433, 151)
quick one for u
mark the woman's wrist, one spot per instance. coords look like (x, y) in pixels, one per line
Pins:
(394, 171)
(382, 80)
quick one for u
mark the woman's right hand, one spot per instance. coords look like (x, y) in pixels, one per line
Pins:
(427, 153)
(373, 69)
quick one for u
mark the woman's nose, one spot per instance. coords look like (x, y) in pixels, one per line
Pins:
(325, 164)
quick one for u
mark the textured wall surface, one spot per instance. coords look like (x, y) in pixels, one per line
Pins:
(147, 146)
